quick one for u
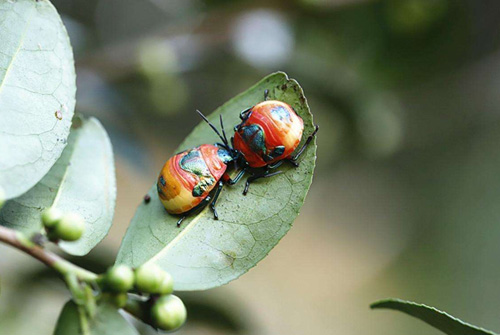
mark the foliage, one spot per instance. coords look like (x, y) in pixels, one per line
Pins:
(58, 176)
(57, 169)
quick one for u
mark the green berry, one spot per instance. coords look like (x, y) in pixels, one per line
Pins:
(70, 227)
(168, 313)
(167, 284)
(149, 278)
(51, 217)
(119, 278)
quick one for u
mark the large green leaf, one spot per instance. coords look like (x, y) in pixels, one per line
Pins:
(82, 180)
(37, 92)
(206, 253)
(436, 318)
(107, 321)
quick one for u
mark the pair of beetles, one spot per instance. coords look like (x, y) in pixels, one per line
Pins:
(267, 136)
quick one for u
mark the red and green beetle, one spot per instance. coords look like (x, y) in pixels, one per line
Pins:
(267, 136)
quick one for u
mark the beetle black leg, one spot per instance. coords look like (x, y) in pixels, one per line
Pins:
(278, 163)
(266, 95)
(275, 165)
(253, 178)
(197, 208)
(244, 114)
(180, 220)
(237, 178)
(216, 196)
(293, 160)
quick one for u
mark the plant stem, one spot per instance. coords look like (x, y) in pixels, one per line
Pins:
(19, 241)
(67, 270)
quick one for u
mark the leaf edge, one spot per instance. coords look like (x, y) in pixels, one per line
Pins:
(395, 304)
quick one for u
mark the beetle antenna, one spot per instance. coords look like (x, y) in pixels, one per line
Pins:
(213, 127)
(223, 131)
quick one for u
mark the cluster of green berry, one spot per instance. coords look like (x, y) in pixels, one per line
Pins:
(163, 310)
(59, 226)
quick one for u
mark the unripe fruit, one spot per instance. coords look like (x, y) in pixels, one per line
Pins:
(70, 227)
(51, 217)
(149, 278)
(168, 313)
(167, 284)
(119, 278)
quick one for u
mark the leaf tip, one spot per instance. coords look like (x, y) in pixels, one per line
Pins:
(383, 303)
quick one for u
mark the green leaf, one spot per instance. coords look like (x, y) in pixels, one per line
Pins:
(206, 253)
(82, 181)
(107, 321)
(37, 92)
(434, 317)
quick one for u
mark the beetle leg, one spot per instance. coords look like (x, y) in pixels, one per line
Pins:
(293, 159)
(253, 178)
(236, 179)
(197, 208)
(180, 220)
(275, 165)
(216, 196)
(266, 94)
(244, 114)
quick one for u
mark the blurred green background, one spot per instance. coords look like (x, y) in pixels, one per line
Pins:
(406, 197)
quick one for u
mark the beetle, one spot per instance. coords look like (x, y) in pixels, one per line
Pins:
(187, 179)
(267, 136)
